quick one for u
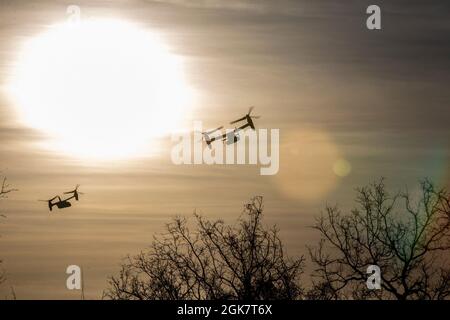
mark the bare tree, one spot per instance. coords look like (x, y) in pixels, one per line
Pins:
(4, 190)
(407, 237)
(216, 261)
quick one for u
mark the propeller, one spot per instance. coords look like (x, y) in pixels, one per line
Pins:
(250, 111)
(211, 131)
(247, 115)
(238, 120)
(49, 199)
(50, 204)
(75, 190)
(207, 133)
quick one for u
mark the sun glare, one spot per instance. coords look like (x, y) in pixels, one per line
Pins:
(100, 89)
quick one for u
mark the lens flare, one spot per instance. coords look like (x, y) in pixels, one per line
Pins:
(307, 161)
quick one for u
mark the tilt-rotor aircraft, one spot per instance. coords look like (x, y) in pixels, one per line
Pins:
(63, 203)
(233, 136)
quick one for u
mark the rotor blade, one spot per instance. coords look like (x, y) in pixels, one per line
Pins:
(250, 109)
(243, 118)
(204, 134)
(255, 117)
(69, 192)
(211, 131)
(49, 199)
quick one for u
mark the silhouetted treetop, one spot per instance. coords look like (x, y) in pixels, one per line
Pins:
(213, 261)
(407, 236)
(5, 188)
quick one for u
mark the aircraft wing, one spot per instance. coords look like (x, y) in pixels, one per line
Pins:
(71, 197)
(244, 126)
(243, 118)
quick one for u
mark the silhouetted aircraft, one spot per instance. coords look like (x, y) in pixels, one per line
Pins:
(74, 192)
(232, 136)
(229, 137)
(208, 138)
(63, 203)
(249, 119)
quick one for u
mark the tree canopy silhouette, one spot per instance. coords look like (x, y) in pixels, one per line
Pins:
(4, 190)
(406, 236)
(214, 261)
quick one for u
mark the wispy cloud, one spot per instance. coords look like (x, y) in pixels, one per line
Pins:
(381, 96)
(256, 6)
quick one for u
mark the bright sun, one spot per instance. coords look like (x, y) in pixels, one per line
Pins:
(101, 89)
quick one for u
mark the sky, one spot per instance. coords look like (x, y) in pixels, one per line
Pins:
(376, 101)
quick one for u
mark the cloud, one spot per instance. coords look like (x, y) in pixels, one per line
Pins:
(9, 134)
(254, 6)
(381, 96)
